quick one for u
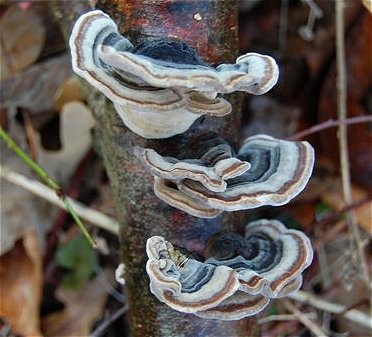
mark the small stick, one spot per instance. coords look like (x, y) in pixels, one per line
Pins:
(334, 216)
(353, 315)
(312, 326)
(342, 134)
(100, 330)
(94, 217)
(285, 317)
(330, 123)
(43, 175)
(30, 133)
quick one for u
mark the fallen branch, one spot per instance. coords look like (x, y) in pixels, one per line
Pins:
(94, 217)
(353, 315)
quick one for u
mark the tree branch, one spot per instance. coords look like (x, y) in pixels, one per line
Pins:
(140, 213)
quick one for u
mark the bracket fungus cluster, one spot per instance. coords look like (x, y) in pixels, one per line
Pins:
(239, 275)
(210, 178)
(160, 86)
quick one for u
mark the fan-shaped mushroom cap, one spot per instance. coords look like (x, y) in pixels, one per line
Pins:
(168, 192)
(185, 284)
(269, 260)
(211, 164)
(240, 274)
(90, 31)
(160, 86)
(253, 73)
(279, 171)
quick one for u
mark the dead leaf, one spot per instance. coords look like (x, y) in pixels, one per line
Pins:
(18, 205)
(21, 282)
(82, 308)
(76, 123)
(35, 88)
(333, 197)
(22, 39)
(67, 92)
(19, 209)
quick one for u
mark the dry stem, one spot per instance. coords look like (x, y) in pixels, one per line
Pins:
(344, 154)
(330, 123)
(354, 315)
(312, 326)
(94, 217)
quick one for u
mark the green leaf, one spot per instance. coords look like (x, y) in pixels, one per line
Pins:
(80, 259)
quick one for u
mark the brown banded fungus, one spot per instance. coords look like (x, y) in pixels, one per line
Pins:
(239, 276)
(266, 171)
(160, 86)
(185, 284)
(211, 162)
(237, 306)
(167, 191)
(269, 259)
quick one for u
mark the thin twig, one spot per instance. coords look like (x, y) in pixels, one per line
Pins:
(283, 26)
(43, 175)
(342, 134)
(284, 317)
(100, 330)
(30, 133)
(88, 214)
(330, 123)
(329, 234)
(311, 325)
(334, 216)
(325, 275)
(353, 315)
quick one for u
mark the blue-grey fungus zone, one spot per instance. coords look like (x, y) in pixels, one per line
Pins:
(210, 162)
(268, 259)
(160, 86)
(209, 175)
(167, 50)
(239, 275)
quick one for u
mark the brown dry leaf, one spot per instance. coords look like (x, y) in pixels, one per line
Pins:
(16, 204)
(334, 199)
(34, 88)
(21, 285)
(22, 35)
(67, 92)
(75, 127)
(82, 308)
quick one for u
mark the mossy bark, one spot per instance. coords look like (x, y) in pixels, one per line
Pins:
(211, 28)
